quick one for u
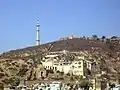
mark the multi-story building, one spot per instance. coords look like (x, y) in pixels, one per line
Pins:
(76, 67)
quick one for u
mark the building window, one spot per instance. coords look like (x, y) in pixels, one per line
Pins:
(55, 68)
(79, 66)
(72, 66)
(79, 63)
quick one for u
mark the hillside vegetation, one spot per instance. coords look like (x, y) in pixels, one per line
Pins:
(24, 62)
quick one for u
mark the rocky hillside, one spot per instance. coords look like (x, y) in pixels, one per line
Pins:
(22, 61)
(12, 71)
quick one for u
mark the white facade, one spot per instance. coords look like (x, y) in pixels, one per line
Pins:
(78, 68)
(75, 67)
(57, 66)
(88, 63)
(48, 64)
(64, 68)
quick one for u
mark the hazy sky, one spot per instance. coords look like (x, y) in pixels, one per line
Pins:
(58, 18)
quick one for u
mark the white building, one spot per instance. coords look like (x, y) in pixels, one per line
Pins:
(76, 67)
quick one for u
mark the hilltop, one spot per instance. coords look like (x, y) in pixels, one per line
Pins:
(74, 44)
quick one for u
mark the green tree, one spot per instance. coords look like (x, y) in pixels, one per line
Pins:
(80, 78)
(23, 70)
(15, 81)
(68, 74)
(86, 84)
(95, 36)
(103, 37)
(83, 36)
(61, 73)
(113, 37)
(72, 78)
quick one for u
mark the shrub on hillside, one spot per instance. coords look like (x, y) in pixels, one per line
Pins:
(1, 70)
(1, 86)
(14, 81)
(2, 74)
(68, 74)
(6, 81)
(58, 71)
(49, 71)
(71, 78)
(61, 73)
